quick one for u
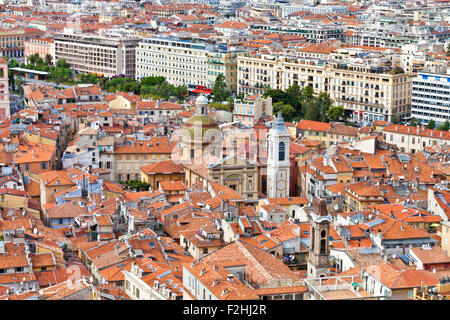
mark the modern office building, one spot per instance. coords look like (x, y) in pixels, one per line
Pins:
(431, 97)
(186, 63)
(103, 54)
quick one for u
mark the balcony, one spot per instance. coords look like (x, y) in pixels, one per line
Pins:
(288, 250)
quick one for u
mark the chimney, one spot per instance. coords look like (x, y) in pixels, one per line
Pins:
(230, 277)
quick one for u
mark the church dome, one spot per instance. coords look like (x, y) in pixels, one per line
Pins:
(201, 100)
(204, 122)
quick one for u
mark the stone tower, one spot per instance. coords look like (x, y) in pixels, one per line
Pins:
(319, 253)
(278, 164)
(4, 90)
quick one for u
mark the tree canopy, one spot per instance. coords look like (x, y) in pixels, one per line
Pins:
(445, 126)
(304, 103)
(431, 124)
(220, 92)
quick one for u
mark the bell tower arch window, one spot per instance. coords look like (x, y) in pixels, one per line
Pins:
(281, 151)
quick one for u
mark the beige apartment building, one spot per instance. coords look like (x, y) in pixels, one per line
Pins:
(12, 41)
(105, 55)
(367, 93)
(128, 159)
(414, 139)
(186, 63)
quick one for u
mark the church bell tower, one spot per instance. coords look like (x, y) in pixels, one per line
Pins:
(319, 253)
(278, 163)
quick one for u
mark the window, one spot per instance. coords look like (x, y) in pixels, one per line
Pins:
(281, 151)
(323, 244)
(205, 250)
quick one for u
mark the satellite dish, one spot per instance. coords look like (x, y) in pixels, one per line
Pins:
(35, 231)
(336, 207)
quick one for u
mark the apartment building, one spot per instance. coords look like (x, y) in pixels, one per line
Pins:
(249, 111)
(186, 63)
(101, 54)
(414, 139)
(12, 41)
(318, 33)
(41, 46)
(128, 159)
(368, 93)
(431, 97)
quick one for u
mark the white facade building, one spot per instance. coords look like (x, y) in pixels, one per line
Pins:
(431, 97)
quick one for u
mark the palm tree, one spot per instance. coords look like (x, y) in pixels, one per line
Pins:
(48, 59)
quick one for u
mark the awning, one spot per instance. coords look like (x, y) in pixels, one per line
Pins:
(435, 225)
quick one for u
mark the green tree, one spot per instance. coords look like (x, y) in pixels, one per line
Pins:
(324, 103)
(277, 95)
(413, 122)
(230, 101)
(62, 63)
(39, 61)
(130, 86)
(32, 59)
(293, 96)
(152, 81)
(19, 85)
(220, 92)
(335, 113)
(445, 126)
(312, 111)
(221, 106)
(163, 90)
(12, 63)
(287, 110)
(431, 124)
(395, 120)
(240, 96)
(48, 59)
(180, 92)
(307, 93)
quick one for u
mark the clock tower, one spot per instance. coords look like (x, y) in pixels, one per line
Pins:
(278, 164)
(319, 252)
